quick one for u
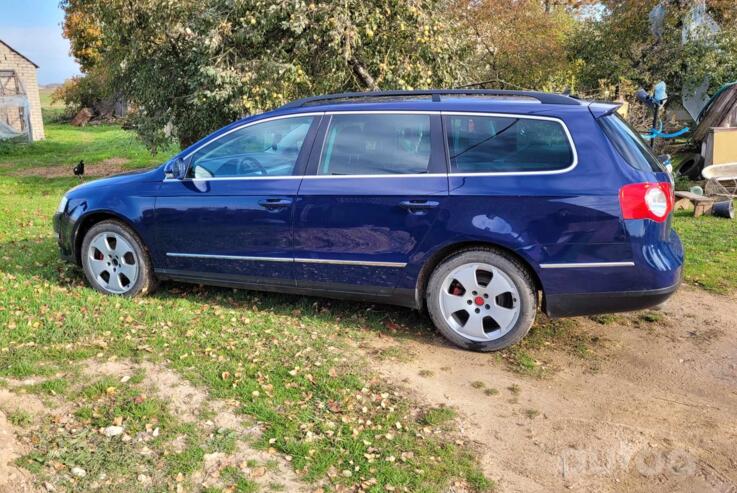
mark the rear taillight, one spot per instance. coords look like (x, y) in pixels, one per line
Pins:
(646, 201)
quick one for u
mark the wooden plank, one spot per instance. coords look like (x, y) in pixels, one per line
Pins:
(703, 208)
(692, 196)
(684, 204)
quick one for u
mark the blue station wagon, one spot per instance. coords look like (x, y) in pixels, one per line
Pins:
(479, 206)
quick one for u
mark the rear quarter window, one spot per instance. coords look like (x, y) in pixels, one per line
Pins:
(628, 143)
(491, 144)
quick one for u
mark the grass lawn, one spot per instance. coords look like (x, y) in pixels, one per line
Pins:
(52, 110)
(292, 364)
(711, 251)
(65, 145)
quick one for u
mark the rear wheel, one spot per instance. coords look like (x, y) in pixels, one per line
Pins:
(115, 261)
(482, 299)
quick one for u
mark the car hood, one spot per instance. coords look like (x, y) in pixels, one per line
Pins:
(136, 176)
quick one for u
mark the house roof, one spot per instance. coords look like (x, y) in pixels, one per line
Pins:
(19, 53)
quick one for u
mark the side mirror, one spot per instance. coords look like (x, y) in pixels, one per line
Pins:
(176, 169)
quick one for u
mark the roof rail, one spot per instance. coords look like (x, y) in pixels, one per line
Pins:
(543, 97)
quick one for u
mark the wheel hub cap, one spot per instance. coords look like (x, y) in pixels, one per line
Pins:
(113, 262)
(479, 301)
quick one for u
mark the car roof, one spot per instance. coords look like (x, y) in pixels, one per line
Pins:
(486, 101)
(450, 105)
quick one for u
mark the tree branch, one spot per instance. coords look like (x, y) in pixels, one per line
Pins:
(362, 74)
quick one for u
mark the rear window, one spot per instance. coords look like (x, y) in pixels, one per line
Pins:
(629, 144)
(489, 144)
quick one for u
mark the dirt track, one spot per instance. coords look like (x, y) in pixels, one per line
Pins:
(659, 413)
(655, 410)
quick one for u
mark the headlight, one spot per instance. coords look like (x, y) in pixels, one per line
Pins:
(62, 205)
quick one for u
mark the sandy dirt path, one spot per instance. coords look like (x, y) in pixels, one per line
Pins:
(656, 411)
(659, 412)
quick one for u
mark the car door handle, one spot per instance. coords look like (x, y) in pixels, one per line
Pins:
(418, 205)
(274, 203)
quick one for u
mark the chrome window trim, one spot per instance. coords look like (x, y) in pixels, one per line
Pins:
(237, 178)
(585, 265)
(560, 122)
(235, 129)
(231, 257)
(396, 175)
(368, 112)
(368, 263)
(392, 112)
(365, 263)
(249, 124)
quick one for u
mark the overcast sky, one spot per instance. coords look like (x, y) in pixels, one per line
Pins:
(33, 27)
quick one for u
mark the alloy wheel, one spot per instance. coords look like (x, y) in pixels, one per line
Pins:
(113, 262)
(479, 302)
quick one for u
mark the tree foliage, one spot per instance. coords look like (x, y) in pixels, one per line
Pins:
(194, 65)
(621, 46)
(83, 32)
(521, 43)
(88, 91)
(190, 66)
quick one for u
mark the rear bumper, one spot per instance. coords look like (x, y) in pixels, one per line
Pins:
(572, 305)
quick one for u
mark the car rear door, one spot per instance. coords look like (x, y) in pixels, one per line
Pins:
(373, 190)
(231, 219)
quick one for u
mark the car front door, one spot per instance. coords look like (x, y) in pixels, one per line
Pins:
(369, 197)
(230, 219)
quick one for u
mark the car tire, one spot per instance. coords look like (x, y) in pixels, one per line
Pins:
(494, 290)
(691, 167)
(115, 261)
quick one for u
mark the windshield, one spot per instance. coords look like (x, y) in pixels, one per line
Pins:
(629, 144)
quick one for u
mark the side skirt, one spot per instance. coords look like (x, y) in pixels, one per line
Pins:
(399, 297)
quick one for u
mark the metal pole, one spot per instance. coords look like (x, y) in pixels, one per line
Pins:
(655, 122)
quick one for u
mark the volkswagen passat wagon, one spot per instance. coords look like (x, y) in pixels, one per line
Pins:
(480, 206)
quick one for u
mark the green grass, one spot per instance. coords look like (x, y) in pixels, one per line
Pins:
(66, 145)
(438, 415)
(54, 386)
(52, 110)
(79, 444)
(290, 362)
(20, 418)
(711, 251)
(46, 98)
(527, 357)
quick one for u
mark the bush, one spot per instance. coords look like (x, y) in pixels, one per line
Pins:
(80, 92)
(93, 91)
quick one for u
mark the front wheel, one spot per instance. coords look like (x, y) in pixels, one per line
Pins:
(115, 261)
(482, 299)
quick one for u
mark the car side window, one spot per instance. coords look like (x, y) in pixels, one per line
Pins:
(377, 144)
(262, 149)
(484, 144)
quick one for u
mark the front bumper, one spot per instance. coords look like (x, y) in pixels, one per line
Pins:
(63, 229)
(573, 305)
